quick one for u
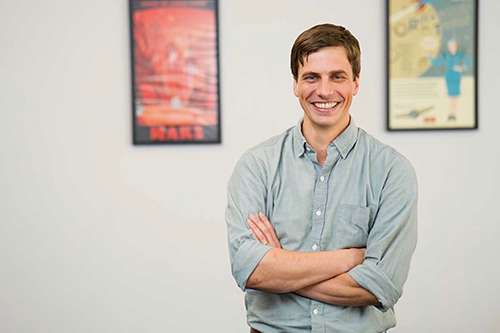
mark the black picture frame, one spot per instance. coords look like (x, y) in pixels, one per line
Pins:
(175, 72)
(432, 65)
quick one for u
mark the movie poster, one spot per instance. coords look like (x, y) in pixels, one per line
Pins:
(432, 64)
(175, 72)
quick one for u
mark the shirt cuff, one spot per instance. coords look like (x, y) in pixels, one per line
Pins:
(369, 276)
(249, 254)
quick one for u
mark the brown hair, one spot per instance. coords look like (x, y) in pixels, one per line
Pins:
(321, 36)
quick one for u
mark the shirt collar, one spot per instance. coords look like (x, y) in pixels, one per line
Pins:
(347, 139)
(344, 142)
(299, 140)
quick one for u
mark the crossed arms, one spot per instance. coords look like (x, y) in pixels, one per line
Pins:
(316, 275)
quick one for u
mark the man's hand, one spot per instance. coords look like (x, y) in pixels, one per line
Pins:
(263, 230)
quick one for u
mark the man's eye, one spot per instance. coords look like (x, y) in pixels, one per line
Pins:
(310, 77)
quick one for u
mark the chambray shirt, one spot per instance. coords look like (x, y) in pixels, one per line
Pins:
(364, 196)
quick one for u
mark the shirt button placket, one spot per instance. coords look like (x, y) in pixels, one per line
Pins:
(317, 320)
(319, 202)
(319, 205)
(319, 215)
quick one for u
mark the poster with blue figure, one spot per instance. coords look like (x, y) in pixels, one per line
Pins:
(432, 67)
(456, 63)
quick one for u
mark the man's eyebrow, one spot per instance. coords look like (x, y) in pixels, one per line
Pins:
(309, 74)
(340, 71)
(336, 72)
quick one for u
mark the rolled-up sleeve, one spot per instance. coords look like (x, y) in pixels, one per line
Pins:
(392, 238)
(246, 195)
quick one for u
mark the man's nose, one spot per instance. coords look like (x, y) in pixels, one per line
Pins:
(325, 88)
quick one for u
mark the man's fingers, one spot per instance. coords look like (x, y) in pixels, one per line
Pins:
(270, 227)
(256, 231)
(266, 230)
(262, 227)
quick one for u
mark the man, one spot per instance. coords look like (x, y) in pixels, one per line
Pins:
(322, 219)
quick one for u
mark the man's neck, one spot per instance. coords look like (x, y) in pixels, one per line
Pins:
(320, 137)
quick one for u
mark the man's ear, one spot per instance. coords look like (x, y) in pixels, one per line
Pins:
(295, 87)
(356, 85)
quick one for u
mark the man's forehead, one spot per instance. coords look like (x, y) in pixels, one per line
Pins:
(335, 55)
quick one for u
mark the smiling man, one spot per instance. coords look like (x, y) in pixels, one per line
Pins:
(322, 219)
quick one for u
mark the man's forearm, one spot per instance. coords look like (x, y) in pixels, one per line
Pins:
(282, 271)
(341, 290)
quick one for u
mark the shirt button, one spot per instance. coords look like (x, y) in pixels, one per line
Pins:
(318, 212)
(322, 178)
(314, 247)
(315, 311)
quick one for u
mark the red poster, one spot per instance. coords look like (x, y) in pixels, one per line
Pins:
(175, 71)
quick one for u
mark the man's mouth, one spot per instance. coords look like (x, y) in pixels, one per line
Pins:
(329, 105)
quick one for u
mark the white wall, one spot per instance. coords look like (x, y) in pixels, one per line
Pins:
(99, 236)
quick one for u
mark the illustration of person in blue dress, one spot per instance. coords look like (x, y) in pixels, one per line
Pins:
(456, 63)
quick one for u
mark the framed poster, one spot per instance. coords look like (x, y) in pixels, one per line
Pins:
(175, 71)
(432, 64)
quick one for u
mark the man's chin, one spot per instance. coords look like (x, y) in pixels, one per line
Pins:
(330, 122)
(326, 121)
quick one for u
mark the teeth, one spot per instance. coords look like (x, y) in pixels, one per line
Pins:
(325, 105)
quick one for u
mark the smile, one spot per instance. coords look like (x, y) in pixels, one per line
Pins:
(325, 105)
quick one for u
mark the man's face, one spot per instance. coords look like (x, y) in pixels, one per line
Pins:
(325, 87)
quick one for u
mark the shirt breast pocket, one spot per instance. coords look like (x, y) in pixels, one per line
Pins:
(351, 226)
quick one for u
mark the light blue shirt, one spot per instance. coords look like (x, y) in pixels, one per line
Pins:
(365, 195)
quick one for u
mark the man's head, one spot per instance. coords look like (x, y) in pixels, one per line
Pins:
(325, 64)
(322, 36)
